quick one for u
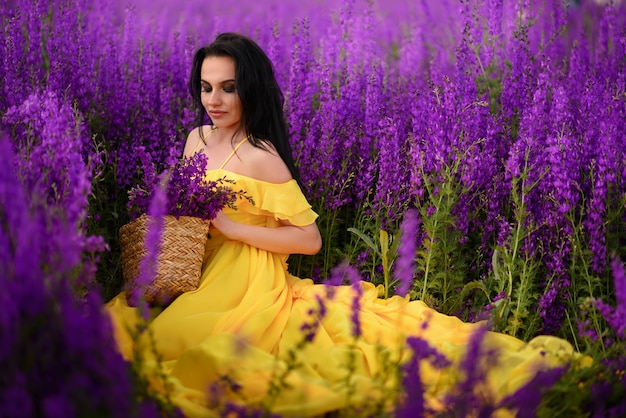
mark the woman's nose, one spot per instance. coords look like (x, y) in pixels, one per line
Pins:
(214, 97)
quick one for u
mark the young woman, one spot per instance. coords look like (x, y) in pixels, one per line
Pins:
(266, 339)
(248, 135)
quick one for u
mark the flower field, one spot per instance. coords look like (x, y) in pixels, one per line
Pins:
(471, 154)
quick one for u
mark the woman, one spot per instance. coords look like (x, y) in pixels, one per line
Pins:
(260, 336)
(248, 124)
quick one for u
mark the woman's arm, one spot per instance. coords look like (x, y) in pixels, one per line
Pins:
(266, 165)
(285, 239)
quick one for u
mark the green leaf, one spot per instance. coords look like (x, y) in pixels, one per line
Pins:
(474, 285)
(366, 239)
(495, 263)
(384, 242)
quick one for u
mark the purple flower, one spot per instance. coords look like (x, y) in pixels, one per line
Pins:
(391, 194)
(345, 272)
(58, 354)
(405, 262)
(57, 407)
(467, 395)
(50, 142)
(149, 264)
(616, 316)
(413, 403)
(301, 87)
(527, 399)
(188, 193)
(310, 328)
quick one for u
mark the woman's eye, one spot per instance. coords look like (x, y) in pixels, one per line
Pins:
(229, 89)
(206, 89)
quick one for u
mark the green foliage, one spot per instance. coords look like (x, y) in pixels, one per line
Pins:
(107, 213)
(441, 261)
(489, 83)
(386, 249)
(585, 285)
(600, 368)
(515, 270)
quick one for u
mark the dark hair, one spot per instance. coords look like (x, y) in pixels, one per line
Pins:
(261, 98)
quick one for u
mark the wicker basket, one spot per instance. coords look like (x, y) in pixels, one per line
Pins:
(179, 262)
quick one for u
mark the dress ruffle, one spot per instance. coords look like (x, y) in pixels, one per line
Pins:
(278, 201)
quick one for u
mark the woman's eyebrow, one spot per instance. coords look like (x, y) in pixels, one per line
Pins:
(230, 80)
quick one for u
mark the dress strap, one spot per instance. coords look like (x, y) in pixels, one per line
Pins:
(201, 141)
(234, 151)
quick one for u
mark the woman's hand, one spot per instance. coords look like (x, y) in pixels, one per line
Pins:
(285, 239)
(226, 226)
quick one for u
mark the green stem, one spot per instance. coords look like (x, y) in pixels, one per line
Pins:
(520, 294)
(384, 252)
(585, 267)
(330, 222)
(429, 257)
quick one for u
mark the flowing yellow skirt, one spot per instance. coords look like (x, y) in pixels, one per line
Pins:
(254, 335)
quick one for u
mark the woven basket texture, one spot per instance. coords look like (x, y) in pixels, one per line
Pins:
(179, 262)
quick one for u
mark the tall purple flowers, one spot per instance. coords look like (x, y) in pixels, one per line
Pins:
(55, 163)
(148, 266)
(57, 355)
(413, 405)
(187, 191)
(501, 122)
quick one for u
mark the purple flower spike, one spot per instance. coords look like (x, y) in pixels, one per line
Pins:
(343, 272)
(188, 192)
(616, 316)
(148, 265)
(527, 399)
(405, 263)
(413, 405)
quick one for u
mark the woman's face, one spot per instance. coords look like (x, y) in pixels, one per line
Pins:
(219, 97)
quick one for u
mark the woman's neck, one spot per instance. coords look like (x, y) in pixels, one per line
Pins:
(232, 135)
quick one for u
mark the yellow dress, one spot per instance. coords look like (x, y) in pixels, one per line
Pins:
(239, 337)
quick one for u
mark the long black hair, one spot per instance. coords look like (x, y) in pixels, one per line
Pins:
(261, 97)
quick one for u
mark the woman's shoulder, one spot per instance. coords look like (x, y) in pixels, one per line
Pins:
(266, 165)
(195, 138)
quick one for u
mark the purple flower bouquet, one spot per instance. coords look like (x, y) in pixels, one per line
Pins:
(179, 225)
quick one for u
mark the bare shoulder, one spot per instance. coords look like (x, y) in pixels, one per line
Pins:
(266, 165)
(195, 139)
(192, 142)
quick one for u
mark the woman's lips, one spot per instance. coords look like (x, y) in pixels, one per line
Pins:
(216, 113)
